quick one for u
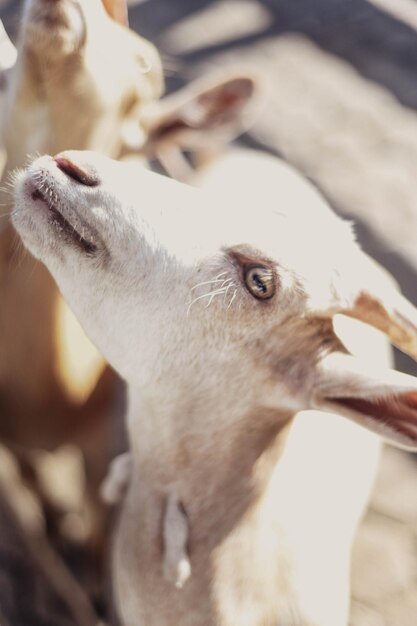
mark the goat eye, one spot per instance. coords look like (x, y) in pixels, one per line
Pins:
(260, 282)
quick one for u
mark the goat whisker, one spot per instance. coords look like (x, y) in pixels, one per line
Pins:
(210, 294)
(221, 274)
(232, 299)
(206, 282)
(227, 290)
(218, 279)
(213, 294)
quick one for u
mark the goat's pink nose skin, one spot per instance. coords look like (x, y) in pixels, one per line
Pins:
(80, 172)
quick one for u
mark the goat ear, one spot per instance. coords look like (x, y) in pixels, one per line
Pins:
(383, 401)
(376, 301)
(117, 9)
(209, 111)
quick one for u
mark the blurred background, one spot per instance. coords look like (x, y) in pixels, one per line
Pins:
(342, 107)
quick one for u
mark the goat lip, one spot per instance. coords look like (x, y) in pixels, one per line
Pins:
(52, 20)
(66, 229)
(45, 16)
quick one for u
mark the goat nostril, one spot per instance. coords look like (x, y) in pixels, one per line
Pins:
(82, 174)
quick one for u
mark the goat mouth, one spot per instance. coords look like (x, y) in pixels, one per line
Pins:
(74, 232)
(56, 19)
(47, 15)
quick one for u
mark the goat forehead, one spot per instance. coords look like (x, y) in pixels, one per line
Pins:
(198, 247)
(210, 222)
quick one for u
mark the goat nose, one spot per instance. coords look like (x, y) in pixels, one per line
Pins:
(81, 172)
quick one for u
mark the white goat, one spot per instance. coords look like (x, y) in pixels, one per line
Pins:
(79, 79)
(220, 317)
(82, 80)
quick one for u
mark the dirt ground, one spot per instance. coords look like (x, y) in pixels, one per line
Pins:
(342, 107)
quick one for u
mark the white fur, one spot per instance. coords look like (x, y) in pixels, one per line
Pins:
(215, 380)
